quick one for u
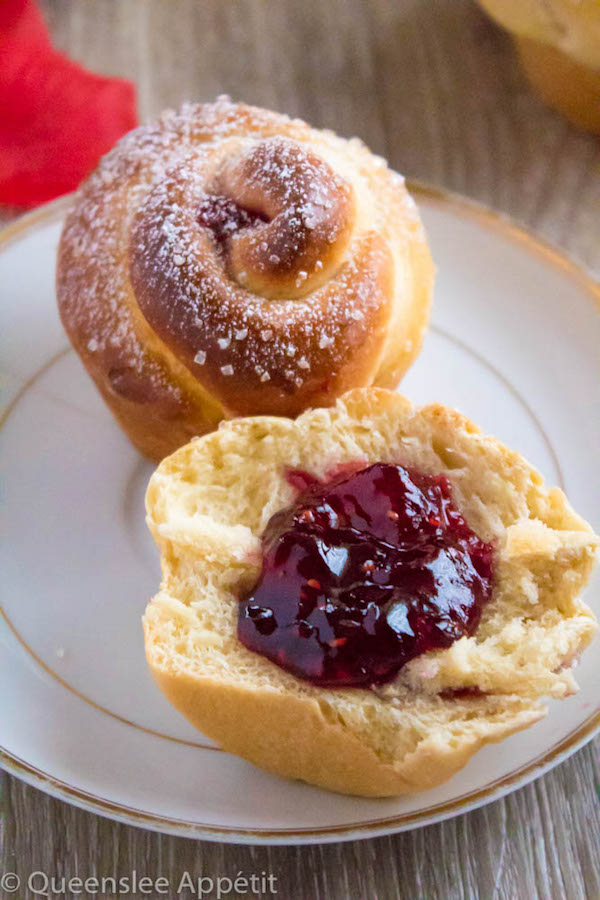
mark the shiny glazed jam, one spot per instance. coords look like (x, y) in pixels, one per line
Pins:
(224, 217)
(362, 574)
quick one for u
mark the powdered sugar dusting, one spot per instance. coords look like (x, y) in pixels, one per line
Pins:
(274, 341)
(149, 187)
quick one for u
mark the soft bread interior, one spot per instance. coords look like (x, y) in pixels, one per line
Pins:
(207, 507)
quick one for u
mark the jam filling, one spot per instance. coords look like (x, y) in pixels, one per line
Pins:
(363, 573)
(224, 217)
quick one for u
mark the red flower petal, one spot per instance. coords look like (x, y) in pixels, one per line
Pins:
(57, 119)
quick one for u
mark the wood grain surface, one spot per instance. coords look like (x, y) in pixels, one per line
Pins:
(434, 86)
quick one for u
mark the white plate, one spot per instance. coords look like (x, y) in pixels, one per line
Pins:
(513, 345)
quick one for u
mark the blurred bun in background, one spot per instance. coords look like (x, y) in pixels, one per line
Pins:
(558, 42)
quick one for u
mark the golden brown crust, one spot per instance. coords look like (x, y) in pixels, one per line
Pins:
(308, 745)
(331, 291)
(310, 214)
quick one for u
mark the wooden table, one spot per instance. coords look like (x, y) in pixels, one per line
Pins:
(435, 88)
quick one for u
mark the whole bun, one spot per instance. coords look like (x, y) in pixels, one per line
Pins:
(228, 261)
(558, 42)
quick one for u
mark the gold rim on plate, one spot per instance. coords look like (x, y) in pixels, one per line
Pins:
(463, 207)
(46, 367)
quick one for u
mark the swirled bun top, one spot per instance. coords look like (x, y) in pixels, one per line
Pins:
(226, 260)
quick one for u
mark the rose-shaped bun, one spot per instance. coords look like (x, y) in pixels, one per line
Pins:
(228, 261)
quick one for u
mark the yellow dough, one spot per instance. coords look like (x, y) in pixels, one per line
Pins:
(207, 506)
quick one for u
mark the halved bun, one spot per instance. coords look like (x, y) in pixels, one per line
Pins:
(207, 506)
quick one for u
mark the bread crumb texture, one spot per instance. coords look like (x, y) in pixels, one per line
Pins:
(207, 506)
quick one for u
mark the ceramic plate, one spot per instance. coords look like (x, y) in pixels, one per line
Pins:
(513, 344)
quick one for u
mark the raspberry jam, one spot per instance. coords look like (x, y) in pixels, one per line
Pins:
(224, 217)
(362, 574)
